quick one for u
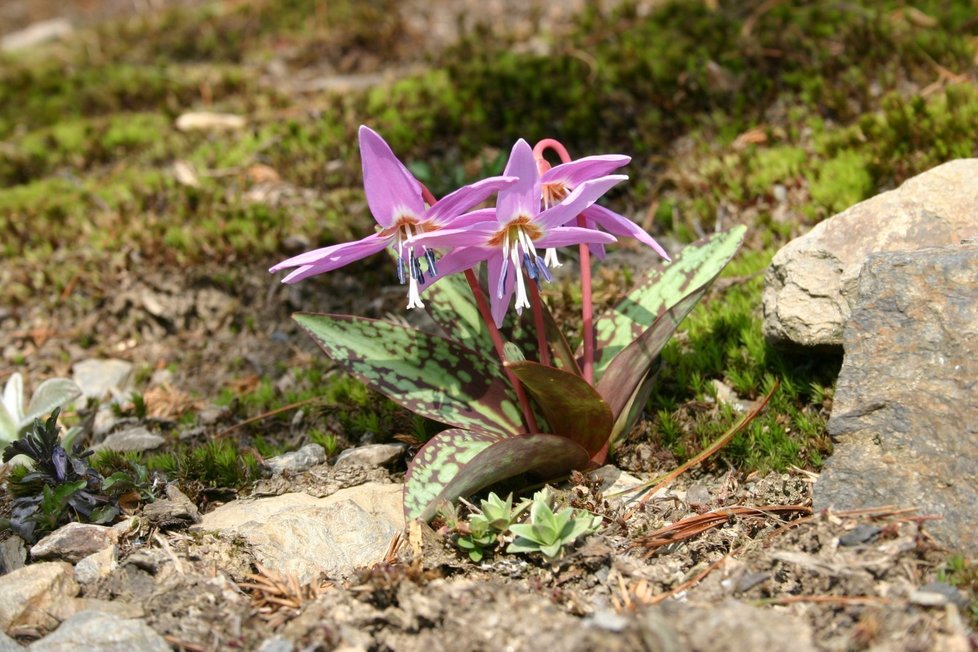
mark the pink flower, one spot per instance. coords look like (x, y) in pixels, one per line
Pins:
(509, 242)
(394, 198)
(559, 181)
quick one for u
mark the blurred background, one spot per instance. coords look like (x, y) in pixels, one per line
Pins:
(156, 157)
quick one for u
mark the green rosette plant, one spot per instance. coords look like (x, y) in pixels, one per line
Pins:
(516, 397)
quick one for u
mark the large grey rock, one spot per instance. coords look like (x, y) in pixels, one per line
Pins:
(905, 413)
(305, 536)
(74, 541)
(98, 378)
(30, 596)
(811, 283)
(97, 630)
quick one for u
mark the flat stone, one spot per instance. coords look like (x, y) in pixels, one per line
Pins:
(36, 34)
(174, 511)
(905, 412)
(74, 541)
(13, 554)
(131, 440)
(305, 458)
(100, 378)
(371, 455)
(96, 566)
(207, 121)
(305, 536)
(97, 630)
(30, 595)
(613, 480)
(812, 282)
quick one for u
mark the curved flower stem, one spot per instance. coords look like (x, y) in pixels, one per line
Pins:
(494, 334)
(587, 309)
(539, 325)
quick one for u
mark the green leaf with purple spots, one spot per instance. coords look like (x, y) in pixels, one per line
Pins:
(429, 375)
(456, 463)
(663, 288)
(573, 408)
(450, 304)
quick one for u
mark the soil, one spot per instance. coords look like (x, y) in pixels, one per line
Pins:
(846, 580)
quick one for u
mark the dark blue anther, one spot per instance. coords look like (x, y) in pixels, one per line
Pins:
(400, 270)
(544, 271)
(531, 269)
(430, 257)
(417, 273)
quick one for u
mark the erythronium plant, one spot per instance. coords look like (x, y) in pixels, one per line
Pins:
(516, 397)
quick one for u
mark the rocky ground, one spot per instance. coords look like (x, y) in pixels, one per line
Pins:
(299, 543)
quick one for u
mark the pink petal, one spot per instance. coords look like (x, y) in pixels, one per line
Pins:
(580, 198)
(584, 169)
(470, 236)
(338, 258)
(454, 204)
(563, 236)
(499, 306)
(621, 225)
(523, 197)
(359, 248)
(391, 190)
(475, 217)
(461, 259)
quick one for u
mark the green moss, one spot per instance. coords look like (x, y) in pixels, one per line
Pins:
(722, 340)
(771, 165)
(216, 464)
(841, 181)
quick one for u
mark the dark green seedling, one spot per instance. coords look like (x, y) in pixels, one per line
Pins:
(57, 486)
(549, 533)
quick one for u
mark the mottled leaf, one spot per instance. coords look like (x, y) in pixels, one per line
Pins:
(692, 271)
(429, 375)
(629, 368)
(572, 407)
(450, 304)
(456, 463)
(633, 408)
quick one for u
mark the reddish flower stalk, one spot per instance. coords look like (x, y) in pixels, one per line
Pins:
(587, 310)
(539, 325)
(494, 334)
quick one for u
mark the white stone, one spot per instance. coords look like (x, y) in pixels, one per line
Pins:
(74, 541)
(97, 630)
(133, 439)
(36, 34)
(99, 378)
(28, 596)
(305, 536)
